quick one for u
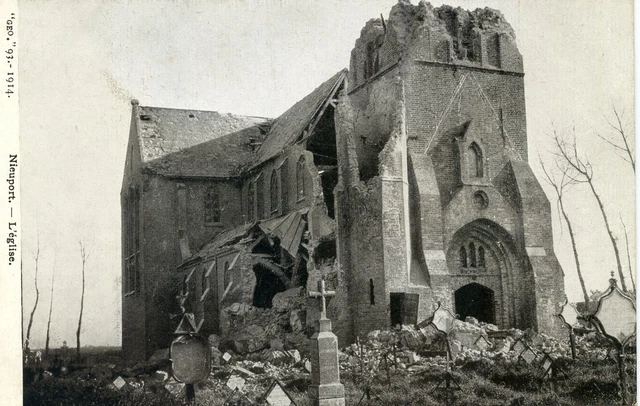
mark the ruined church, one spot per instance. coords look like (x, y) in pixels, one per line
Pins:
(403, 182)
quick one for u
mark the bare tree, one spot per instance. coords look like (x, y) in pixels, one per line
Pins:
(84, 255)
(36, 257)
(626, 240)
(581, 171)
(620, 140)
(559, 186)
(46, 345)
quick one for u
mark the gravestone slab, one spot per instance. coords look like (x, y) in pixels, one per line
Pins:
(119, 383)
(617, 314)
(528, 355)
(191, 358)
(235, 382)
(277, 396)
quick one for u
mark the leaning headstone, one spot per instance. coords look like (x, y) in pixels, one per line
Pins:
(528, 355)
(325, 388)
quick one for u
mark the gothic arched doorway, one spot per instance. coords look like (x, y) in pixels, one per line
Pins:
(476, 301)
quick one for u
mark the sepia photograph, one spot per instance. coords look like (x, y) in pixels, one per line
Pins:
(319, 203)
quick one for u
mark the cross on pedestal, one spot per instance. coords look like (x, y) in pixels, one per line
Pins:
(325, 388)
(323, 295)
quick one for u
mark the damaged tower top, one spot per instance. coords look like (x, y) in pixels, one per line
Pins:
(480, 38)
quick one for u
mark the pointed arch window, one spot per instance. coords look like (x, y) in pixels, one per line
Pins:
(300, 181)
(212, 211)
(476, 162)
(481, 261)
(472, 255)
(273, 186)
(463, 257)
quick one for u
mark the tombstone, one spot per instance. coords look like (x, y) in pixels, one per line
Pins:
(482, 343)
(569, 316)
(277, 396)
(528, 355)
(616, 315)
(325, 388)
(616, 319)
(191, 359)
(119, 383)
(519, 347)
(235, 382)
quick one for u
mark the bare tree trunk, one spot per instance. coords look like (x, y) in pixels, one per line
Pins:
(614, 243)
(626, 240)
(46, 344)
(35, 281)
(625, 151)
(83, 256)
(584, 174)
(559, 188)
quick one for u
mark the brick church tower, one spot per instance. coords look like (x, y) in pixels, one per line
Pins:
(436, 200)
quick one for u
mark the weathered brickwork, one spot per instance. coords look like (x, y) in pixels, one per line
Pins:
(426, 197)
(455, 152)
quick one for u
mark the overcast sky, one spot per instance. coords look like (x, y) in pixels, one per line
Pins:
(82, 62)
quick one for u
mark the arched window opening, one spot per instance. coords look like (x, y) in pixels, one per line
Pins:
(275, 200)
(300, 178)
(372, 296)
(472, 255)
(476, 163)
(212, 212)
(226, 279)
(463, 257)
(481, 262)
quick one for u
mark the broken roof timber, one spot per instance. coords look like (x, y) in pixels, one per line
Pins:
(290, 126)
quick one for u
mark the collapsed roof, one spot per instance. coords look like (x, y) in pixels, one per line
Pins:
(193, 143)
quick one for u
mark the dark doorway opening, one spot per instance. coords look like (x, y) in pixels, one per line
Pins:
(476, 301)
(404, 308)
(267, 286)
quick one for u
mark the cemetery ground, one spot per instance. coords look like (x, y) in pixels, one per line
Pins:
(400, 367)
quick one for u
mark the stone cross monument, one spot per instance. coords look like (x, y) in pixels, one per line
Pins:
(325, 388)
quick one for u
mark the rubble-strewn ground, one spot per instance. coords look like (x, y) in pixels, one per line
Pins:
(386, 368)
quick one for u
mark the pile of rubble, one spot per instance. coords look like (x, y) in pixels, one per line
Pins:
(249, 330)
(413, 349)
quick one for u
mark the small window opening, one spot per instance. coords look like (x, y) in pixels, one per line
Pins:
(212, 212)
(372, 296)
(476, 167)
